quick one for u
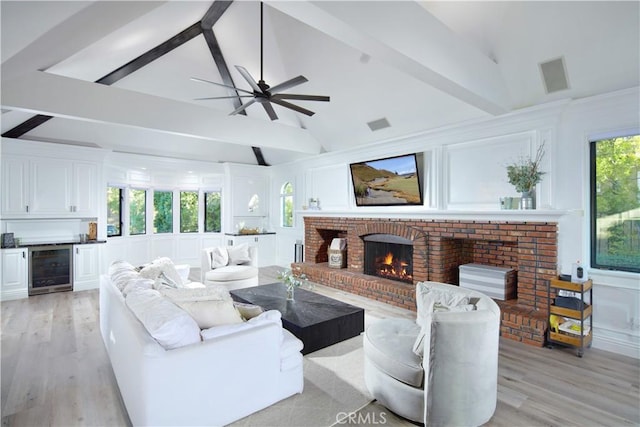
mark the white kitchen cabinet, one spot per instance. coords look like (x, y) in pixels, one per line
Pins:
(15, 185)
(14, 274)
(84, 197)
(266, 244)
(50, 187)
(86, 270)
(42, 187)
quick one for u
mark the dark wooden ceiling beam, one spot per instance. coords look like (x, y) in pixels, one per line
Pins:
(204, 27)
(151, 55)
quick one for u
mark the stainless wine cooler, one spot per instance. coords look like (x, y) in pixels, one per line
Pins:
(50, 269)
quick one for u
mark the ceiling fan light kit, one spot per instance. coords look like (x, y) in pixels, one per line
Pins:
(264, 94)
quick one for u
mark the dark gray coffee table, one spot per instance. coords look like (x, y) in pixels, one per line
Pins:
(317, 320)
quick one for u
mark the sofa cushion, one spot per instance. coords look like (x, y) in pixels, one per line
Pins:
(171, 326)
(137, 284)
(388, 344)
(121, 272)
(239, 254)
(219, 257)
(231, 272)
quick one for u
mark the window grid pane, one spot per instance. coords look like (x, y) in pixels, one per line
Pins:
(615, 204)
(137, 212)
(286, 205)
(163, 212)
(212, 216)
(188, 211)
(114, 211)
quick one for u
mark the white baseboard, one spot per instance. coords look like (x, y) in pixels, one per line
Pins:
(15, 294)
(616, 345)
(85, 286)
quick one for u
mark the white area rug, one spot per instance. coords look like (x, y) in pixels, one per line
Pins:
(333, 387)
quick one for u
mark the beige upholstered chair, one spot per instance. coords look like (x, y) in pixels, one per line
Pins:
(234, 267)
(455, 382)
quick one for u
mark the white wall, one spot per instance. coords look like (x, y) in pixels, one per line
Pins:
(465, 176)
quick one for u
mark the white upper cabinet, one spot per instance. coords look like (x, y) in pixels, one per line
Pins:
(42, 187)
(84, 197)
(50, 187)
(15, 185)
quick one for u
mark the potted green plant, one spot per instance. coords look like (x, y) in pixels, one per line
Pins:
(525, 175)
(291, 281)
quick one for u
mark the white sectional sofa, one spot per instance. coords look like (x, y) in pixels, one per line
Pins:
(211, 382)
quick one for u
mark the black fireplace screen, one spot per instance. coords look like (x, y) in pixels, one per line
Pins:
(388, 256)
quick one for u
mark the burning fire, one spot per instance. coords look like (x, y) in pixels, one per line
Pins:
(393, 268)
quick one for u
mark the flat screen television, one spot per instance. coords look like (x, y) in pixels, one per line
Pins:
(391, 181)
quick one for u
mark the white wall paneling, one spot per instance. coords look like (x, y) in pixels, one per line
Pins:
(475, 172)
(188, 249)
(328, 185)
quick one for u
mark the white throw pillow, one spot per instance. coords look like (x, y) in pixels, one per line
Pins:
(159, 266)
(248, 311)
(425, 303)
(208, 313)
(171, 326)
(219, 257)
(204, 293)
(270, 316)
(239, 254)
(208, 306)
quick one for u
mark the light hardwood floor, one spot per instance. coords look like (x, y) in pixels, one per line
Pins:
(56, 372)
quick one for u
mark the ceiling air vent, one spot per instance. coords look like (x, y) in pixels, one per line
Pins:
(554, 75)
(378, 124)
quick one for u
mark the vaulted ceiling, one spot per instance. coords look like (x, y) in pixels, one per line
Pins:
(418, 65)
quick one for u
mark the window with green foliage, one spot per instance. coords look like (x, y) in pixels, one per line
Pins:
(615, 203)
(188, 211)
(286, 205)
(114, 211)
(212, 217)
(163, 211)
(137, 212)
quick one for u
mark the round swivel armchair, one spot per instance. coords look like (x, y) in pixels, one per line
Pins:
(442, 369)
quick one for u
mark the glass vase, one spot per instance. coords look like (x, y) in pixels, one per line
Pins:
(291, 293)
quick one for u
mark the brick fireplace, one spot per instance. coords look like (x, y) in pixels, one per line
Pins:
(439, 248)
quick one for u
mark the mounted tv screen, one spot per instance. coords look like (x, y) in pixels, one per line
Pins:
(391, 181)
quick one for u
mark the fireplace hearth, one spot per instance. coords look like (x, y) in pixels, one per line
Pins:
(439, 247)
(389, 257)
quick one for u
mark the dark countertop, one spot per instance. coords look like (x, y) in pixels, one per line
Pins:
(251, 234)
(77, 242)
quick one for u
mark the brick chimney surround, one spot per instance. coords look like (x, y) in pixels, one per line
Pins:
(439, 248)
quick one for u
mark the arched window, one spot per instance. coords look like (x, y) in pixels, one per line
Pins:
(286, 205)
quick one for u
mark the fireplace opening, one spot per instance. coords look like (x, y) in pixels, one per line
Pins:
(389, 257)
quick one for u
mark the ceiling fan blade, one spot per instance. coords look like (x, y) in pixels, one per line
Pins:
(270, 111)
(248, 78)
(293, 107)
(223, 97)
(301, 97)
(195, 79)
(288, 84)
(242, 108)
